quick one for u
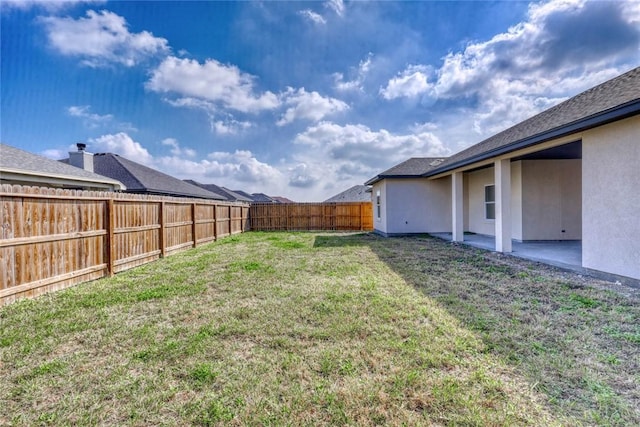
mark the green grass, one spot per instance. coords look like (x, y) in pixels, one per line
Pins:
(324, 329)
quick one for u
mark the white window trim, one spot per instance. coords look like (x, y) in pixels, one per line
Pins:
(487, 203)
(378, 205)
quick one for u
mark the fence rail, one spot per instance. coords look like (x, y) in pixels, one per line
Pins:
(52, 238)
(311, 216)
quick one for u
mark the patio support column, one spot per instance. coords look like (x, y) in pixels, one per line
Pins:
(503, 205)
(457, 207)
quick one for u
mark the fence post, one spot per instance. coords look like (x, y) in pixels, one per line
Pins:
(193, 224)
(361, 218)
(215, 222)
(111, 247)
(163, 249)
(230, 222)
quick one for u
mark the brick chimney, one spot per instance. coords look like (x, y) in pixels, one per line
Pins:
(81, 159)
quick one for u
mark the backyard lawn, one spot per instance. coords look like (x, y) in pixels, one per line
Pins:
(325, 329)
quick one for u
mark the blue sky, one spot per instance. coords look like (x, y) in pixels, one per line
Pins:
(298, 99)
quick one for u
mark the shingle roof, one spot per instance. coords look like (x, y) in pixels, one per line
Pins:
(142, 179)
(282, 199)
(225, 193)
(412, 168)
(15, 160)
(262, 198)
(357, 193)
(612, 100)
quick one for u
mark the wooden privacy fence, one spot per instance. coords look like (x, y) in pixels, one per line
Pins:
(311, 216)
(53, 238)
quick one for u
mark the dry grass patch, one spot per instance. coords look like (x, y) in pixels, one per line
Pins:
(313, 329)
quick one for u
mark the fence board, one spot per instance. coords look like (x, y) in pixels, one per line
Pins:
(311, 216)
(54, 238)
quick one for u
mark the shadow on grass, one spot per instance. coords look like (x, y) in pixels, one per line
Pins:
(574, 342)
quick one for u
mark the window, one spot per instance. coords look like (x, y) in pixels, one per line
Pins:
(490, 202)
(378, 203)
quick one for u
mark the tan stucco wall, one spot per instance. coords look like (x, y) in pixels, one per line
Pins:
(611, 198)
(418, 205)
(551, 200)
(474, 202)
(379, 224)
(516, 200)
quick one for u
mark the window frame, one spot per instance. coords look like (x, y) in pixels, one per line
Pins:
(487, 202)
(378, 209)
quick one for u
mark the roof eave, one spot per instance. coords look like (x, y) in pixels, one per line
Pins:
(381, 177)
(620, 112)
(61, 179)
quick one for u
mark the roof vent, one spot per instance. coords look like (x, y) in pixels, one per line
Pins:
(81, 146)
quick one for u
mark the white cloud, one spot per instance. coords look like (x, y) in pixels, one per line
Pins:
(308, 105)
(353, 153)
(241, 166)
(120, 143)
(176, 150)
(313, 16)
(212, 81)
(101, 38)
(336, 5)
(301, 176)
(91, 120)
(531, 67)
(360, 76)
(410, 83)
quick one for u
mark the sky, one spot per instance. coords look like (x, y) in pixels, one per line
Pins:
(295, 99)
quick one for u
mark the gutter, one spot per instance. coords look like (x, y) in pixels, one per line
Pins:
(620, 112)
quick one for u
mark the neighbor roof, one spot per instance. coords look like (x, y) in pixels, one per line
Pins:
(612, 100)
(20, 165)
(357, 193)
(412, 168)
(142, 179)
(225, 193)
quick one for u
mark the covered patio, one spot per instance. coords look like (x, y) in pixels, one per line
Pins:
(563, 253)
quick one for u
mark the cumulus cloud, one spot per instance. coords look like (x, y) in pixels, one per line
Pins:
(121, 143)
(410, 83)
(176, 149)
(91, 120)
(242, 166)
(532, 66)
(301, 176)
(353, 153)
(100, 39)
(308, 105)
(312, 16)
(360, 76)
(211, 81)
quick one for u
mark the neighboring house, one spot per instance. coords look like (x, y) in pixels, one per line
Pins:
(569, 173)
(357, 193)
(281, 199)
(262, 198)
(21, 167)
(139, 179)
(227, 194)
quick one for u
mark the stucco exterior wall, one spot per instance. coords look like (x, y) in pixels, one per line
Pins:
(611, 198)
(474, 203)
(379, 223)
(516, 200)
(551, 200)
(418, 205)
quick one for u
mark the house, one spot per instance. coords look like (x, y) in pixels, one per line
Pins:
(357, 193)
(281, 199)
(23, 168)
(225, 193)
(568, 174)
(139, 179)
